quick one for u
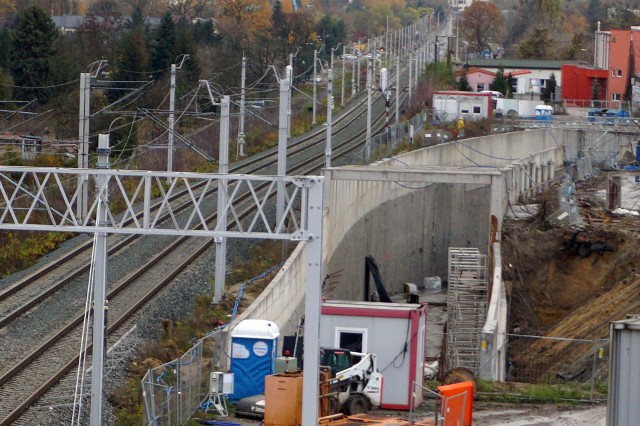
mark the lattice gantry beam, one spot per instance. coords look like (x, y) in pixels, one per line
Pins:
(143, 202)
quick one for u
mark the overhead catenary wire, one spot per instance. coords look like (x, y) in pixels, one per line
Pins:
(82, 361)
(51, 86)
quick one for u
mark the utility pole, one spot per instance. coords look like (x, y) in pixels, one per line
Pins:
(84, 112)
(100, 286)
(289, 76)
(221, 225)
(282, 148)
(373, 52)
(358, 66)
(397, 88)
(243, 82)
(327, 152)
(386, 38)
(353, 71)
(368, 137)
(172, 107)
(410, 75)
(342, 91)
(383, 89)
(315, 61)
(333, 49)
(83, 141)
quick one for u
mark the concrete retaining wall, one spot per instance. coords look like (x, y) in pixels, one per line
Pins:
(282, 301)
(408, 228)
(408, 235)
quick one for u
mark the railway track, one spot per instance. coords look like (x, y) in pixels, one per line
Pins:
(41, 365)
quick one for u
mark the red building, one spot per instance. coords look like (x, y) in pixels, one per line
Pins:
(580, 83)
(619, 64)
(609, 79)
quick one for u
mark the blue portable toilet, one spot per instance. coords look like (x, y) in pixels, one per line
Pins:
(254, 344)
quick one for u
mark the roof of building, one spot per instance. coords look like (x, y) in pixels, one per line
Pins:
(540, 64)
(77, 21)
(472, 70)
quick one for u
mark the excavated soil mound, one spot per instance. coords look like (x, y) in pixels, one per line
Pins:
(569, 283)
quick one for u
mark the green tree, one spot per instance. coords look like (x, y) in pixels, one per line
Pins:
(131, 63)
(574, 50)
(163, 48)
(32, 53)
(137, 17)
(186, 45)
(463, 83)
(482, 24)
(5, 84)
(500, 83)
(279, 25)
(511, 81)
(596, 11)
(549, 92)
(537, 45)
(5, 47)
(332, 31)
(596, 90)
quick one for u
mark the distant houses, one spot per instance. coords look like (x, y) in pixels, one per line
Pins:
(72, 23)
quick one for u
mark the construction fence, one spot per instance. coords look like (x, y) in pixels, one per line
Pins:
(579, 366)
(385, 143)
(174, 391)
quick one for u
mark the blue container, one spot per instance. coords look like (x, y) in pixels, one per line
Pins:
(638, 150)
(254, 344)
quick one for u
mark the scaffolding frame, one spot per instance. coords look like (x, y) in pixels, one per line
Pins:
(467, 303)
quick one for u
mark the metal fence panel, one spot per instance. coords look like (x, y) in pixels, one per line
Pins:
(385, 143)
(554, 360)
(174, 391)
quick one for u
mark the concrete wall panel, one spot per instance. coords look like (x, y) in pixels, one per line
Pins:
(429, 221)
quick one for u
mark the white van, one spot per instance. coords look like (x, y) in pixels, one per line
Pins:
(494, 95)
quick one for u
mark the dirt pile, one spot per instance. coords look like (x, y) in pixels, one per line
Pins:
(569, 282)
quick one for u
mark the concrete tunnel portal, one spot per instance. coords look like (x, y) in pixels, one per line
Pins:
(426, 211)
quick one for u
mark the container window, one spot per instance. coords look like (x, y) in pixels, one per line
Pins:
(464, 111)
(476, 110)
(353, 339)
(619, 73)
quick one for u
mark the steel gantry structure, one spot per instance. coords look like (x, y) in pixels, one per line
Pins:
(45, 199)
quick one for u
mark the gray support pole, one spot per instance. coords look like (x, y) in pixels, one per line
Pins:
(342, 91)
(373, 59)
(353, 71)
(83, 138)
(282, 148)
(313, 294)
(457, 36)
(243, 82)
(418, 68)
(223, 169)
(397, 89)
(99, 288)
(315, 61)
(172, 107)
(327, 152)
(358, 66)
(289, 76)
(331, 62)
(368, 138)
(410, 75)
(386, 36)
